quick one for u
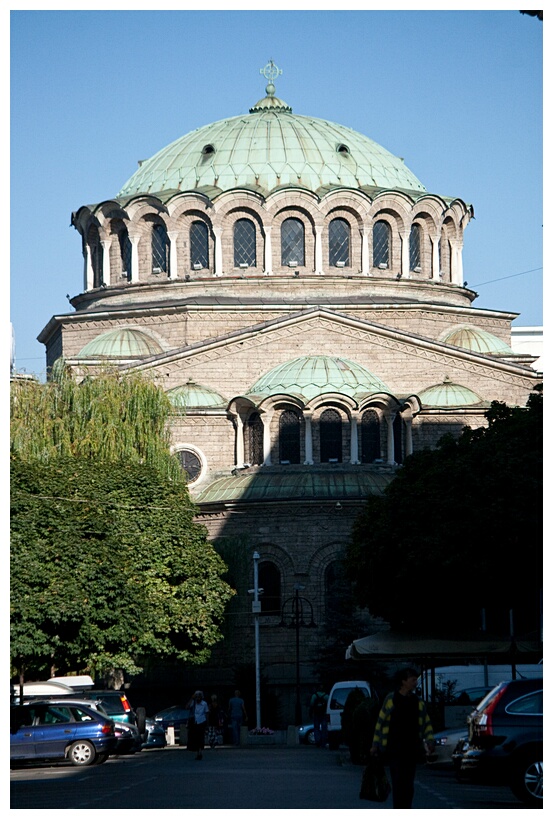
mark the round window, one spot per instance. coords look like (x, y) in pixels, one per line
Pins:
(191, 464)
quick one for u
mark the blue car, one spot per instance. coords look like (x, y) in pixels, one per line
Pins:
(60, 732)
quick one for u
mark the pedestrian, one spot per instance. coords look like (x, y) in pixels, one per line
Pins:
(403, 733)
(216, 720)
(237, 714)
(197, 723)
(317, 711)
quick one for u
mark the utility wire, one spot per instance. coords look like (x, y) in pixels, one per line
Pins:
(524, 272)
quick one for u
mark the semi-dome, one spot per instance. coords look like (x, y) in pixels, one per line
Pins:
(476, 340)
(192, 395)
(314, 375)
(124, 342)
(268, 148)
(448, 395)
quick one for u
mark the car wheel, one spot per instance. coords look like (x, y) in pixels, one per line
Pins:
(100, 758)
(310, 737)
(527, 783)
(82, 753)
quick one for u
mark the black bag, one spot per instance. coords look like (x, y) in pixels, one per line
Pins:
(374, 785)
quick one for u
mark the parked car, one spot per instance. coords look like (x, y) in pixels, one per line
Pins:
(154, 735)
(306, 734)
(472, 696)
(446, 743)
(174, 716)
(506, 739)
(115, 704)
(60, 731)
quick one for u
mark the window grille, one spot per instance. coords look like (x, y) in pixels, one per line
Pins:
(190, 463)
(269, 581)
(254, 440)
(330, 431)
(415, 248)
(381, 244)
(126, 253)
(199, 249)
(338, 243)
(292, 238)
(244, 243)
(370, 437)
(289, 437)
(160, 249)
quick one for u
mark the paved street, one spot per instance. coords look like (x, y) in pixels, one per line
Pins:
(233, 778)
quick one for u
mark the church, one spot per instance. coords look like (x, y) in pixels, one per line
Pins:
(300, 296)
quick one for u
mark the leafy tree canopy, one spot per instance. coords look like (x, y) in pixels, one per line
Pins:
(108, 566)
(459, 530)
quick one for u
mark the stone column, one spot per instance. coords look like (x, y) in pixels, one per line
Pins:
(173, 259)
(268, 253)
(266, 418)
(436, 259)
(318, 250)
(106, 264)
(456, 265)
(218, 263)
(308, 439)
(134, 240)
(405, 255)
(354, 453)
(239, 442)
(408, 435)
(365, 267)
(390, 454)
(88, 272)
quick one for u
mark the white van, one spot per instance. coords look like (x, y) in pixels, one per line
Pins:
(336, 701)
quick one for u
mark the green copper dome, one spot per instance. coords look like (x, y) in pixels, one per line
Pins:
(476, 340)
(313, 375)
(267, 148)
(122, 343)
(448, 395)
(195, 395)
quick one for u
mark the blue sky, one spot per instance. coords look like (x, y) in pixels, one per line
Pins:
(457, 94)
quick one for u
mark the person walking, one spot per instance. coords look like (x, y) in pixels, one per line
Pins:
(317, 711)
(402, 734)
(215, 722)
(237, 714)
(197, 723)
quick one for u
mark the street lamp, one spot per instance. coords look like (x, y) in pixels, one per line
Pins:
(256, 608)
(296, 621)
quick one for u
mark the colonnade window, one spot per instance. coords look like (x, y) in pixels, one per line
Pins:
(370, 437)
(415, 248)
(126, 253)
(381, 244)
(96, 256)
(244, 243)
(254, 440)
(160, 249)
(289, 437)
(292, 242)
(330, 432)
(269, 581)
(338, 243)
(199, 247)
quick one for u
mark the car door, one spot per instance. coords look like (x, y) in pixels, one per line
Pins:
(22, 733)
(54, 730)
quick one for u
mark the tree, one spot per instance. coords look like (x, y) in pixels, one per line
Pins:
(459, 530)
(108, 566)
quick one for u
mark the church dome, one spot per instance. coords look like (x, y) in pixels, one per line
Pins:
(314, 375)
(269, 148)
(476, 340)
(123, 342)
(448, 395)
(191, 395)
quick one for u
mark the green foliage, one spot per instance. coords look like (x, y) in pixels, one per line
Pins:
(458, 530)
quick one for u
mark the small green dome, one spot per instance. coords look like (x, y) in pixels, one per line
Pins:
(125, 342)
(313, 375)
(476, 340)
(195, 395)
(448, 395)
(266, 149)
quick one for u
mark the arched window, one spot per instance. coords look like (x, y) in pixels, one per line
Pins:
(244, 243)
(254, 440)
(125, 247)
(330, 432)
(160, 249)
(370, 437)
(96, 256)
(289, 437)
(381, 244)
(415, 248)
(199, 248)
(338, 243)
(292, 242)
(190, 463)
(269, 581)
(398, 439)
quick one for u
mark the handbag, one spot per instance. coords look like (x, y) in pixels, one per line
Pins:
(374, 784)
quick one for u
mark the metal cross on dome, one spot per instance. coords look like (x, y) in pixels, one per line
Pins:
(271, 71)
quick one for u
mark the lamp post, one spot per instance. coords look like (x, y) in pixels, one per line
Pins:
(296, 621)
(256, 608)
